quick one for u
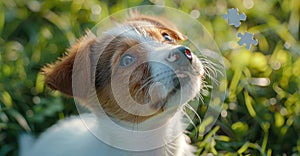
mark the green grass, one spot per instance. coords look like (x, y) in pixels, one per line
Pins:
(260, 116)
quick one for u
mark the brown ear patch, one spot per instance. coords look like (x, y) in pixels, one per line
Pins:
(58, 76)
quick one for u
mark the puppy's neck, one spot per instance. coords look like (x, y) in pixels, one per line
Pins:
(152, 134)
(165, 118)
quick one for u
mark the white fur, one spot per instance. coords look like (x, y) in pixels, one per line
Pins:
(71, 137)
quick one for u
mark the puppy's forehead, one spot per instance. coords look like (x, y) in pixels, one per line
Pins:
(140, 32)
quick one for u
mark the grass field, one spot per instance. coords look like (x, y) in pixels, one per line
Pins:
(261, 111)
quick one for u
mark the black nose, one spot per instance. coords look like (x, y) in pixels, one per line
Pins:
(180, 55)
(186, 52)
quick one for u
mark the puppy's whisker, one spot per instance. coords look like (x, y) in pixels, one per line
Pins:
(150, 80)
(135, 123)
(186, 105)
(145, 83)
(212, 70)
(212, 78)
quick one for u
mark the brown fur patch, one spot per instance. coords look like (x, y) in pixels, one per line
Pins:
(163, 24)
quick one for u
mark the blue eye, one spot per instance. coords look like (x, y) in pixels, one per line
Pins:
(126, 60)
(167, 37)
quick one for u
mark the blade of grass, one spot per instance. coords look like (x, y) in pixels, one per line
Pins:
(249, 106)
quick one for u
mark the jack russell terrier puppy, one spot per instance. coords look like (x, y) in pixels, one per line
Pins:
(142, 77)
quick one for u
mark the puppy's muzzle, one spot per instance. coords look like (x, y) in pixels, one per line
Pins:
(181, 56)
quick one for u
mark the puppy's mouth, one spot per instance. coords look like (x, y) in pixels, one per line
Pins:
(157, 85)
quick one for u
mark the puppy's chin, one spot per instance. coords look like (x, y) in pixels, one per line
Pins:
(158, 95)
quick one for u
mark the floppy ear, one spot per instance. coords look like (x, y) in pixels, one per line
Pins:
(59, 75)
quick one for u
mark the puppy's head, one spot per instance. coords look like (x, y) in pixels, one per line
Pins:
(141, 69)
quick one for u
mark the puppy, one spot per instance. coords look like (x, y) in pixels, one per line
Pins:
(134, 79)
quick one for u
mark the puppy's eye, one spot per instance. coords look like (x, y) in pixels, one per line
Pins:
(168, 37)
(126, 60)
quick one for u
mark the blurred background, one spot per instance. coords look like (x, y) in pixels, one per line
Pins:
(261, 112)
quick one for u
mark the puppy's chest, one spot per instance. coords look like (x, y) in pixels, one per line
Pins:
(173, 143)
(73, 137)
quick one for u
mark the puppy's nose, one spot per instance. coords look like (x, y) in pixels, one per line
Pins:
(180, 55)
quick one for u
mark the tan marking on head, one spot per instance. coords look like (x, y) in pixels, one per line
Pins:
(163, 24)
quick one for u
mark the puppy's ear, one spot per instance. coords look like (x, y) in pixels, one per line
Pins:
(58, 76)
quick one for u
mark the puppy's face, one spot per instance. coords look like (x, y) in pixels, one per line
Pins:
(142, 70)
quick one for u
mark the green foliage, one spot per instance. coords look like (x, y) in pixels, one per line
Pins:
(261, 113)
